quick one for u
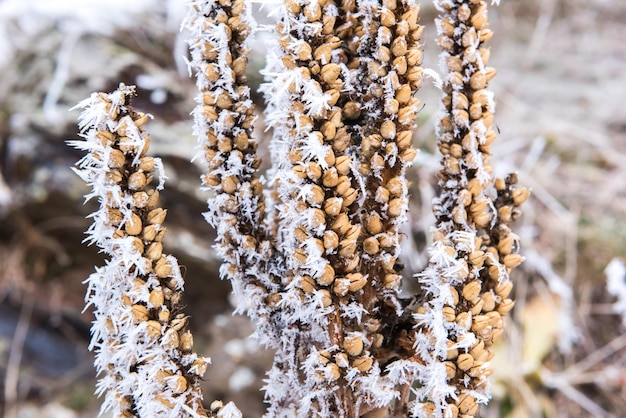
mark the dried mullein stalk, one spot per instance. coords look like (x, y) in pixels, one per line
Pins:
(144, 354)
(340, 102)
(466, 286)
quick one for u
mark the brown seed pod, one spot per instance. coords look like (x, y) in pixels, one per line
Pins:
(404, 94)
(504, 307)
(512, 260)
(520, 195)
(318, 218)
(392, 281)
(450, 369)
(156, 298)
(186, 342)
(382, 195)
(465, 361)
(353, 345)
(472, 290)
(153, 329)
(503, 288)
(363, 363)
(307, 284)
(452, 352)
(480, 322)
(326, 298)
(178, 384)
(162, 268)
(357, 281)
(154, 251)
(374, 224)
(139, 312)
(371, 245)
(464, 320)
(396, 207)
(133, 225)
(467, 405)
(330, 72)
(156, 216)
(448, 313)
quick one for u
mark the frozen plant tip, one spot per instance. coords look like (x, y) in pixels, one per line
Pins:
(144, 354)
(466, 287)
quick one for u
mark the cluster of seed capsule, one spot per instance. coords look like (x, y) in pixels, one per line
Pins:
(344, 180)
(137, 295)
(224, 121)
(472, 222)
(317, 195)
(389, 55)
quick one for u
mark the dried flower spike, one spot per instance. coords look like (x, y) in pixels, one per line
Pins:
(144, 368)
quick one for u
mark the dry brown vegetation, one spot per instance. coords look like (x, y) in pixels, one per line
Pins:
(560, 90)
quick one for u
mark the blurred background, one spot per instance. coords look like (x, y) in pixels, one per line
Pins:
(561, 97)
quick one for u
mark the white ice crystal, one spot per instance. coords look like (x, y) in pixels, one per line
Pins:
(615, 273)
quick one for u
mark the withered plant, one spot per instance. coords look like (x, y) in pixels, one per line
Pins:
(312, 249)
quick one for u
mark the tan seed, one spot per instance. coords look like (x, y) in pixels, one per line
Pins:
(471, 290)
